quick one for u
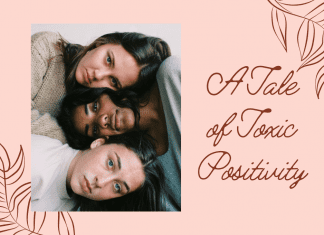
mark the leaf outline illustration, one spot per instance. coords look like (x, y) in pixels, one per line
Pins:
(20, 165)
(34, 218)
(296, 4)
(317, 14)
(310, 36)
(68, 222)
(319, 81)
(315, 58)
(306, 32)
(9, 219)
(279, 26)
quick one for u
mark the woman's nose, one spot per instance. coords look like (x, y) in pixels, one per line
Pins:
(101, 74)
(104, 179)
(103, 120)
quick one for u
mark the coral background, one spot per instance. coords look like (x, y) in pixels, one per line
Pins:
(217, 36)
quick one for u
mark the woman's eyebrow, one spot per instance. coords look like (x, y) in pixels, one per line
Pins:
(113, 66)
(118, 161)
(127, 187)
(118, 82)
(112, 58)
(120, 167)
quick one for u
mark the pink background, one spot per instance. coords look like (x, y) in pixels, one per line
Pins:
(217, 36)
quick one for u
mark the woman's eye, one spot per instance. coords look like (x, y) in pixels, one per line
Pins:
(114, 82)
(108, 60)
(95, 131)
(117, 187)
(95, 106)
(110, 163)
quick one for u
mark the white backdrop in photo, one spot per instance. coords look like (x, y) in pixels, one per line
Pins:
(84, 34)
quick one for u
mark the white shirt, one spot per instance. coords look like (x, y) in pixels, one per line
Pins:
(50, 163)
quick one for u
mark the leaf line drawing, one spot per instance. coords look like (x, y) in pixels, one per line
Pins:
(319, 81)
(14, 206)
(310, 35)
(279, 25)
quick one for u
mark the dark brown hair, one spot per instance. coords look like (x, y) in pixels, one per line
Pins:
(85, 95)
(149, 53)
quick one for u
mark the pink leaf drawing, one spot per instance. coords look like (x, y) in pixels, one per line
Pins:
(317, 14)
(319, 81)
(306, 38)
(21, 193)
(294, 2)
(316, 57)
(16, 216)
(309, 9)
(310, 42)
(65, 224)
(35, 220)
(279, 25)
(310, 36)
(277, 5)
(14, 172)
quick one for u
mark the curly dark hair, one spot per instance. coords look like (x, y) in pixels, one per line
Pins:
(84, 95)
(149, 53)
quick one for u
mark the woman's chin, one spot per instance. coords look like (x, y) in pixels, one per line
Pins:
(126, 122)
(79, 78)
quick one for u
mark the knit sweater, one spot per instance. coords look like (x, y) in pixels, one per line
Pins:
(47, 85)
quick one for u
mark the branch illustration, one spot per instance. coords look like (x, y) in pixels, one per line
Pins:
(310, 36)
(14, 206)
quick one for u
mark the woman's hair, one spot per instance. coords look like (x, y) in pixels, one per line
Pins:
(149, 197)
(149, 53)
(82, 96)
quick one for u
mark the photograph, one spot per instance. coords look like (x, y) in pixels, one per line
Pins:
(105, 117)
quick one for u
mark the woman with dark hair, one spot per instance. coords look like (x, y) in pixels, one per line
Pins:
(97, 178)
(117, 60)
(58, 66)
(87, 114)
(123, 104)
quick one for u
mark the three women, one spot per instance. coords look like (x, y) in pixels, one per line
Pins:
(100, 64)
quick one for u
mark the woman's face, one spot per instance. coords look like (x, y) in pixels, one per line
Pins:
(103, 118)
(109, 66)
(106, 171)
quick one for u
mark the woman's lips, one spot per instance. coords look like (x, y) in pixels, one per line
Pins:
(117, 121)
(113, 121)
(86, 186)
(86, 77)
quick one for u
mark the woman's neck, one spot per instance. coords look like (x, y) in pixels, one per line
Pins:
(152, 119)
(150, 109)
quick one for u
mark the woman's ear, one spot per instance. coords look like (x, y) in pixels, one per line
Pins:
(98, 142)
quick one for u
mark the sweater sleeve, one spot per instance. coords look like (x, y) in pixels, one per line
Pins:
(42, 52)
(46, 125)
